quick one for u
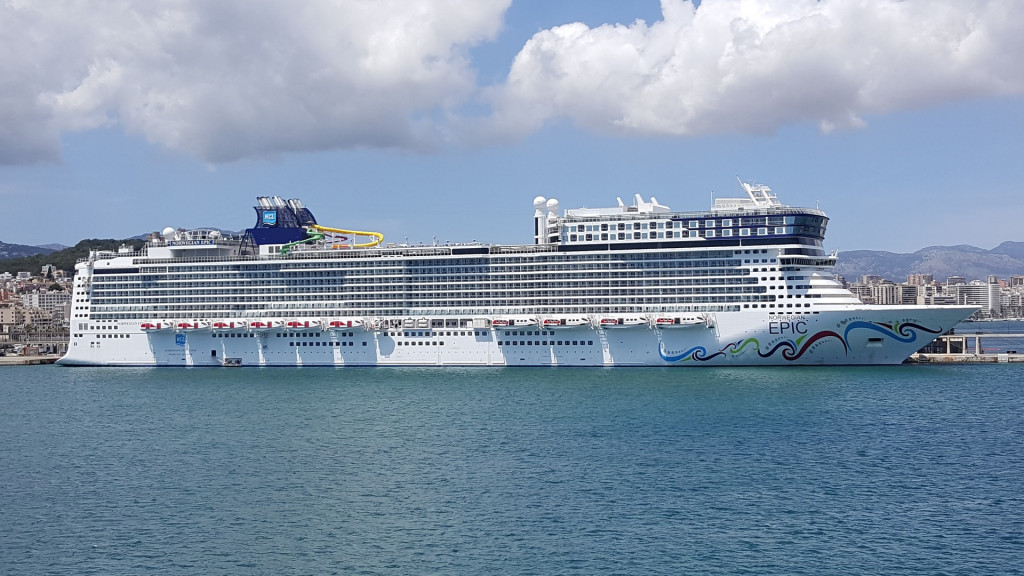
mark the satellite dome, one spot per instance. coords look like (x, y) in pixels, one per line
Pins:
(214, 234)
(539, 202)
(168, 233)
(552, 205)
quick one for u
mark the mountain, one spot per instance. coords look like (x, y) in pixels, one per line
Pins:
(10, 251)
(54, 247)
(971, 262)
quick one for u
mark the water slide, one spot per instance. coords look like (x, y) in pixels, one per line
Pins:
(377, 236)
(311, 236)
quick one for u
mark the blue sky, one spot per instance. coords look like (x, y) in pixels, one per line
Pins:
(442, 120)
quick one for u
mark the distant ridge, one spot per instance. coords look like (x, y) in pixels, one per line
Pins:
(11, 251)
(971, 262)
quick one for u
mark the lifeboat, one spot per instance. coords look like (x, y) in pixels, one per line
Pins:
(499, 322)
(303, 325)
(673, 322)
(339, 324)
(605, 322)
(189, 325)
(265, 324)
(150, 326)
(552, 323)
(228, 325)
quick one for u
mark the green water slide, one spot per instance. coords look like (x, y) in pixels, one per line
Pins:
(312, 235)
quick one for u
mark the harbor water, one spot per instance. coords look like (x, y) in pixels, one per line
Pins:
(913, 469)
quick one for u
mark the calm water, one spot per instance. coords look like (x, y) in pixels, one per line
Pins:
(902, 470)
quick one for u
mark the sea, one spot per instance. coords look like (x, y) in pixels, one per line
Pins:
(912, 469)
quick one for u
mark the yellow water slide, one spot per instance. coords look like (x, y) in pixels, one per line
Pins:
(377, 236)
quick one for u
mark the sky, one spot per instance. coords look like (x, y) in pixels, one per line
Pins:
(441, 120)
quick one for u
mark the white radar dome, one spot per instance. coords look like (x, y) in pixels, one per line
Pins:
(552, 205)
(538, 202)
(214, 234)
(168, 233)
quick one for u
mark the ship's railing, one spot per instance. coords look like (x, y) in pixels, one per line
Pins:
(738, 212)
(336, 254)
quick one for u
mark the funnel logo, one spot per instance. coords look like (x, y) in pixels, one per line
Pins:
(270, 217)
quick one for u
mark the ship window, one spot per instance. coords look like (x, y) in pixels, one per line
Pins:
(709, 223)
(572, 238)
(622, 235)
(726, 223)
(694, 224)
(590, 237)
(604, 236)
(709, 234)
(636, 235)
(762, 231)
(654, 225)
(604, 227)
(726, 233)
(744, 231)
(622, 226)
(580, 228)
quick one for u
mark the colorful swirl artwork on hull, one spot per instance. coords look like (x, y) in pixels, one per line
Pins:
(792, 350)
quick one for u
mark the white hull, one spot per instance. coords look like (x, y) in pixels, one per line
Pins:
(841, 335)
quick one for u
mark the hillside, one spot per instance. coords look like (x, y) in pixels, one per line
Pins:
(63, 259)
(9, 251)
(972, 263)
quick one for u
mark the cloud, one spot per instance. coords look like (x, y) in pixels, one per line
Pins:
(234, 79)
(238, 78)
(752, 66)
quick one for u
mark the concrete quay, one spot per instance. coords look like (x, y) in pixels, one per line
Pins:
(27, 360)
(965, 358)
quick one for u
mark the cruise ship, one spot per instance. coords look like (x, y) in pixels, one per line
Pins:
(744, 283)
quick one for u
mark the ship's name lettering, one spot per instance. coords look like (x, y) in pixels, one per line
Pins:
(192, 243)
(798, 327)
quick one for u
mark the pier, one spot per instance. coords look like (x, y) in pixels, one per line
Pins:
(969, 348)
(27, 360)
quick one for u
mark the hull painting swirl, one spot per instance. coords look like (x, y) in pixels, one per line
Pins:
(792, 350)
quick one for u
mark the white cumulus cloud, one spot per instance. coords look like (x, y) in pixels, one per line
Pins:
(235, 78)
(229, 79)
(752, 66)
